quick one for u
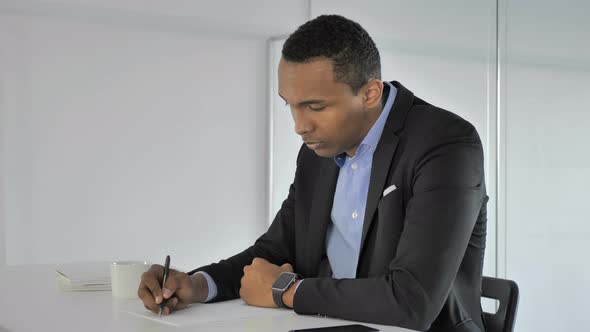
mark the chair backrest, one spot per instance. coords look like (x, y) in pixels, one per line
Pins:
(505, 291)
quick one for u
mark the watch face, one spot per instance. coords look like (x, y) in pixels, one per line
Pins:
(283, 281)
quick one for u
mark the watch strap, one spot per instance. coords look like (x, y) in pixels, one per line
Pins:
(277, 294)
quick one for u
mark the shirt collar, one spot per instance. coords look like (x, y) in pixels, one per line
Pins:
(370, 141)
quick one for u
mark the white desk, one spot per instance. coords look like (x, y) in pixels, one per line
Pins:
(30, 300)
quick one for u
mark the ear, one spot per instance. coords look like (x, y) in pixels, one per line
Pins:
(371, 93)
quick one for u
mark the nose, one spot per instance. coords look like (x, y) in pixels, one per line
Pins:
(303, 124)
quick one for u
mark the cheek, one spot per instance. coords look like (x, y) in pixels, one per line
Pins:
(341, 125)
(331, 119)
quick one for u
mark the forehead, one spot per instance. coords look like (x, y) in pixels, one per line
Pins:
(314, 79)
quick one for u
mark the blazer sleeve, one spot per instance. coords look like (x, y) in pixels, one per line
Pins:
(277, 246)
(448, 192)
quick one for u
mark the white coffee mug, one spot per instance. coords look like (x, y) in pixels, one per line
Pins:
(125, 278)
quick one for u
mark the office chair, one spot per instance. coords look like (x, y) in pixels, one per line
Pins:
(505, 291)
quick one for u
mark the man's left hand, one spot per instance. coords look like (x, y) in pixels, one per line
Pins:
(256, 284)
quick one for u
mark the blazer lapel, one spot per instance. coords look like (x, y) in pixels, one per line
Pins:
(321, 208)
(383, 155)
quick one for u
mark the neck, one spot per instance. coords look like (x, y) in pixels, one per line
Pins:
(371, 117)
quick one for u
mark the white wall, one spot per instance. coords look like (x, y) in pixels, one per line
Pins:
(284, 142)
(545, 111)
(2, 215)
(125, 140)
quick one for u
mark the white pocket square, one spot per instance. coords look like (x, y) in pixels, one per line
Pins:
(389, 189)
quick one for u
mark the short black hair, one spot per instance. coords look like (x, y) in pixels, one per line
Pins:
(354, 55)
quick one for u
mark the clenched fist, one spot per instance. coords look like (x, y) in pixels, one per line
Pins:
(256, 284)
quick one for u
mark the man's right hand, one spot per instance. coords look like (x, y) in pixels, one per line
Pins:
(180, 289)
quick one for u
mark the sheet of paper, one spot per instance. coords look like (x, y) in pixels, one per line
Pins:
(203, 313)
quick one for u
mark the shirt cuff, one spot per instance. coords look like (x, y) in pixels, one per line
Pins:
(211, 285)
(297, 286)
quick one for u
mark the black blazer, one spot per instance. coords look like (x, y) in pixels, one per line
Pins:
(422, 248)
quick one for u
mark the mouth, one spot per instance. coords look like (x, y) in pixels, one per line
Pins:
(314, 145)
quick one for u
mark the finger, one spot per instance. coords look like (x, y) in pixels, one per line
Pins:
(171, 286)
(176, 283)
(170, 305)
(152, 280)
(258, 260)
(287, 267)
(152, 309)
(147, 298)
(181, 305)
(242, 293)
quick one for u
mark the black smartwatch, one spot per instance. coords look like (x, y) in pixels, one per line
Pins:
(285, 280)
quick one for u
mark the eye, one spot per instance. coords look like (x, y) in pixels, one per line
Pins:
(316, 109)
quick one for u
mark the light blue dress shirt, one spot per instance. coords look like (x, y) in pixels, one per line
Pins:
(211, 285)
(343, 238)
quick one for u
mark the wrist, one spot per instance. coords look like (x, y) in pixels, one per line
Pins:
(200, 288)
(289, 295)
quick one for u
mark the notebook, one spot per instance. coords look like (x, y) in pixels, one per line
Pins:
(95, 276)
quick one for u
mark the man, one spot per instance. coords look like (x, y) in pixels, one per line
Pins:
(385, 221)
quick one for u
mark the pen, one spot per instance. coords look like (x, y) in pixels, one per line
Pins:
(166, 270)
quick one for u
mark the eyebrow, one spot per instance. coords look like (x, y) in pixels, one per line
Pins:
(305, 102)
